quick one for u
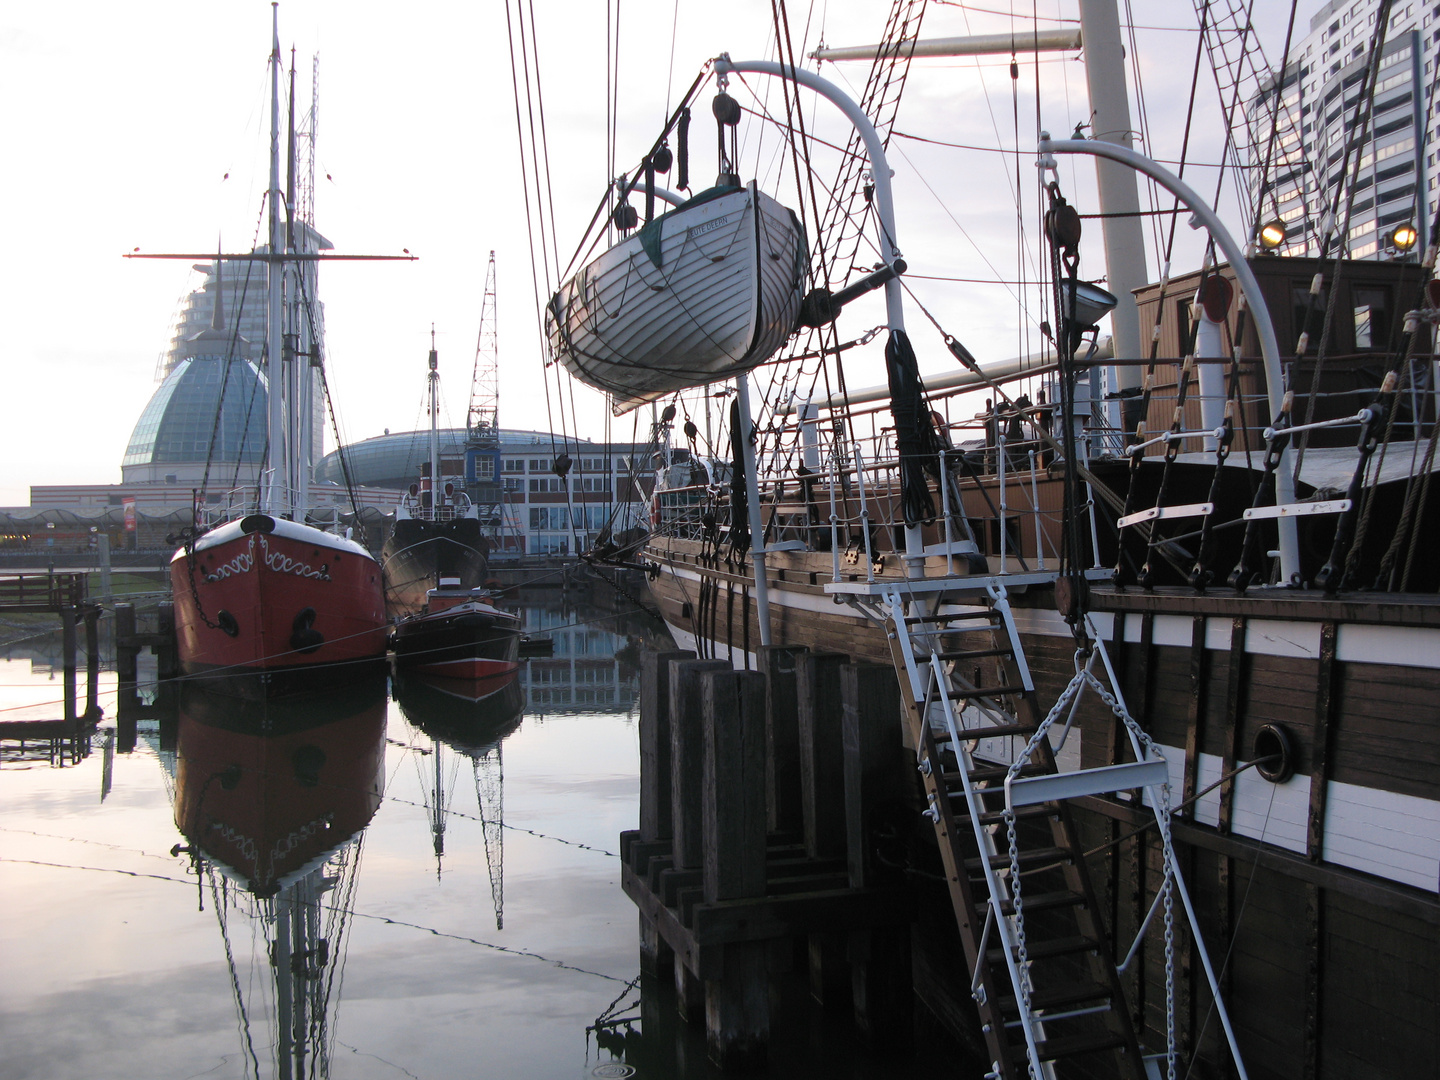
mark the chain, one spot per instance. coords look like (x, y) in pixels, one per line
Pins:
(1148, 751)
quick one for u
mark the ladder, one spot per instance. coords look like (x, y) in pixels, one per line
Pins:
(1042, 968)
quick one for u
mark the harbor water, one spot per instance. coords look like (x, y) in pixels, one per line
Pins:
(357, 887)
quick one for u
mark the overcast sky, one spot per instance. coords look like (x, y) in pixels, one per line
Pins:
(123, 121)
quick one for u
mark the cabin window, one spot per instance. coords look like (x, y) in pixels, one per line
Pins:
(1372, 316)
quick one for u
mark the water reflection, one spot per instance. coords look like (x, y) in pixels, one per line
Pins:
(471, 720)
(595, 664)
(273, 798)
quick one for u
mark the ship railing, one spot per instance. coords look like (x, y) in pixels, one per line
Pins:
(238, 503)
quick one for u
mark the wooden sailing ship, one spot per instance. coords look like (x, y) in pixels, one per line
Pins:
(1166, 680)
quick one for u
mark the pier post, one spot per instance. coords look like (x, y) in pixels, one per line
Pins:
(876, 775)
(92, 663)
(822, 786)
(737, 1001)
(167, 654)
(127, 703)
(782, 738)
(687, 748)
(655, 822)
(67, 633)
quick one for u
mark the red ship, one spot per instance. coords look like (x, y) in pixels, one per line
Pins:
(265, 595)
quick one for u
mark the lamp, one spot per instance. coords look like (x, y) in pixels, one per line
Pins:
(1272, 234)
(1091, 303)
(1403, 237)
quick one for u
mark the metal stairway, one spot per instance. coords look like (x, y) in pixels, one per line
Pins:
(1042, 966)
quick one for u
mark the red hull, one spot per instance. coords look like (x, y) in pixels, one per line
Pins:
(283, 599)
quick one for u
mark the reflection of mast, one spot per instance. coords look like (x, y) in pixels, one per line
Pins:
(490, 792)
(305, 932)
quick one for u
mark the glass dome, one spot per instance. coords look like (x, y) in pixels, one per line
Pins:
(180, 420)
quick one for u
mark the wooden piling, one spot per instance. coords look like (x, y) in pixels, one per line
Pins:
(877, 770)
(68, 642)
(779, 664)
(655, 823)
(655, 743)
(92, 663)
(126, 668)
(167, 654)
(822, 769)
(687, 759)
(872, 764)
(733, 788)
(737, 1002)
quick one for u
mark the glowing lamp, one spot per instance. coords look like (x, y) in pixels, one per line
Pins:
(1403, 237)
(1272, 235)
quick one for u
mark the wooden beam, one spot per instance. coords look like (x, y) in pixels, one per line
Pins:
(1323, 742)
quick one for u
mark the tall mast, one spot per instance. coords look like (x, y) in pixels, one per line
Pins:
(1118, 191)
(434, 428)
(275, 498)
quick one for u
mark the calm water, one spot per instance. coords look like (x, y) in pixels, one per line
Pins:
(424, 893)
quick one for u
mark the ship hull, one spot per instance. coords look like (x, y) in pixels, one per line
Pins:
(419, 552)
(1345, 853)
(274, 606)
(478, 649)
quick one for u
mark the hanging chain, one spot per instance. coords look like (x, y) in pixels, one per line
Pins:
(1148, 751)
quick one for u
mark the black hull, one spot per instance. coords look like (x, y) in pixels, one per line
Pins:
(418, 553)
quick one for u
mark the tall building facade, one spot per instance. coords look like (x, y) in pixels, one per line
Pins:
(1310, 159)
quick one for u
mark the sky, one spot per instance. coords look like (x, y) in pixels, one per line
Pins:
(147, 127)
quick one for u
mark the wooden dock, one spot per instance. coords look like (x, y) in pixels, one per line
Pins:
(761, 795)
(67, 738)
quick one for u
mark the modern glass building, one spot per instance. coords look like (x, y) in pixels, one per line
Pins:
(607, 484)
(210, 409)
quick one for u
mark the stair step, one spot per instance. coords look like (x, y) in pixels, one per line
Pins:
(1076, 1045)
(995, 731)
(1001, 861)
(1045, 950)
(975, 616)
(1061, 997)
(994, 817)
(1045, 902)
(976, 654)
(984, 691)
(986, 773)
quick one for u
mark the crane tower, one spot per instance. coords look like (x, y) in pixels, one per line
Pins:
(482, 423)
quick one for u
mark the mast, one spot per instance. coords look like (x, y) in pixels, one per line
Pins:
(276, 495)
(434, 429)
(1118, 191)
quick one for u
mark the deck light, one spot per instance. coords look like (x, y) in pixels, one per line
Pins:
(1091, 303)
(1403, 237)
(1272, 235)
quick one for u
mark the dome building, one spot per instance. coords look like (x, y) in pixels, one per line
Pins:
(208, 412)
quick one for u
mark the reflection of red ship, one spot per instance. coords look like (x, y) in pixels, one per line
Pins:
(267, 789)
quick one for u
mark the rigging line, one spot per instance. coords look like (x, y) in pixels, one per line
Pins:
(1003, 150)
(551, 251)
(223, 920)
(535, 277)
(1278, 92)
(1009, 14)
